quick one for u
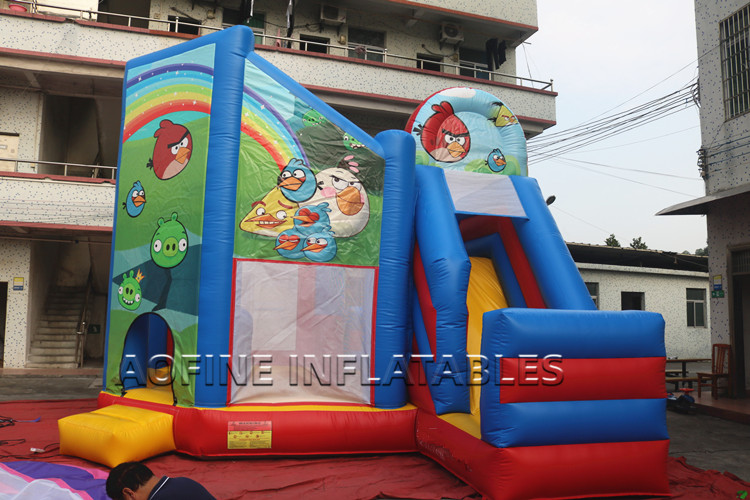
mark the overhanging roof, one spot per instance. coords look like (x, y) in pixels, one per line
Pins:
(624, 256)
(699, 206)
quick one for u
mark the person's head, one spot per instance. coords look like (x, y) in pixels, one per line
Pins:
(125, 481)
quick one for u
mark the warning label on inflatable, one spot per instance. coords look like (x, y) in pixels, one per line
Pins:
(248, 435)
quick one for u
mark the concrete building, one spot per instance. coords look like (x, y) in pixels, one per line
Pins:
(61, 71)
(723, 33)
(673, 285)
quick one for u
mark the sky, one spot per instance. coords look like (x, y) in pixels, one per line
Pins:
(607, 57)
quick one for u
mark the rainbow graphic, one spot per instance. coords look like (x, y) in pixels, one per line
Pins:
(262, 122)
(169, 88)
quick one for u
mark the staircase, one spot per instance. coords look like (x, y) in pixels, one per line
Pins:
(53, 345)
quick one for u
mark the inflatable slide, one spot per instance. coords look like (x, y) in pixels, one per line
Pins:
(285, 284)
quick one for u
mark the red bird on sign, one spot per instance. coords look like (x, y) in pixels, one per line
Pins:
(172, 150)
(444, 136)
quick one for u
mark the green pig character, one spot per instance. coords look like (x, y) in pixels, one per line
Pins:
(129, 293)
(351, 143)
(169, 244)
(312, 118)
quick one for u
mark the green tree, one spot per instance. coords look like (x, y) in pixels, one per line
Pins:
(703, 252)
(638, 244)
(612, 241)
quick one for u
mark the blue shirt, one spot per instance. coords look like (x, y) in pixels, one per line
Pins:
(179, 488)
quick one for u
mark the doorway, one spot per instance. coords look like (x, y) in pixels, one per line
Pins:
(740, 330)
(147, 355)
(3, 316)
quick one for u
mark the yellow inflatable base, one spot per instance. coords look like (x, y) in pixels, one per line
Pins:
(116, 434)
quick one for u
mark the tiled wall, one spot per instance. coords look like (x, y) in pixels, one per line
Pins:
(664, 293)
(86, 41)
(20, 115)
(56, 202)
(77, 40)
(520, 11)
(201, 11)
(15, 256)
(727, 227)
(726, 140)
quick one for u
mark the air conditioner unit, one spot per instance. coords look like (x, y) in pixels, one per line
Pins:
(451, 33)
(332, 15)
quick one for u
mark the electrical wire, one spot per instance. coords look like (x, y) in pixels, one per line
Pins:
(581, 220)
(587, 139)
(46, 452)
(570, 163)
(624, 169)
(735, 143)
(526, 56)
(704, 54)
(641, 141)
(612, 125)
(591, 132)
(607, 119)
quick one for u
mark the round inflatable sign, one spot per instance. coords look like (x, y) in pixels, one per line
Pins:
(468, 129)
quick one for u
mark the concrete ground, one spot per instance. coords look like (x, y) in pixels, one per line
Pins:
(23, 387)
(710, 443)
(706, 442)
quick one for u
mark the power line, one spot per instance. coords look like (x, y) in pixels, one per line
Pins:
(589, 124)
(570, 163)
(599, 130)
(641, 141)
(581, 220)
(624, 169)
(704, 54)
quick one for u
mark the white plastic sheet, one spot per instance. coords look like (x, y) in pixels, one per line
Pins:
(304, 331)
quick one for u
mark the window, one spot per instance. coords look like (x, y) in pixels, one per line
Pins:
(429, 62)
(258, 25)
(632, 301)
(473, 63)
(232, 17)
(182, 24)
(366, 44)
(314, 44)
(696, 307)
(593, 289)
(735, 64)
(741, 262)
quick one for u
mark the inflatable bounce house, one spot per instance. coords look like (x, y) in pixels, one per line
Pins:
(285, 284)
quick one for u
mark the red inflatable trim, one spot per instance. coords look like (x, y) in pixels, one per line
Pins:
(521, 266)
(204, 432)
(580, 379)
(561, 471)
(429, 315)
(483, 225)
(419, 391)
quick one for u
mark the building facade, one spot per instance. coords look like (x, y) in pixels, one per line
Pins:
(723, 35)
(61, 77)
(673, 285)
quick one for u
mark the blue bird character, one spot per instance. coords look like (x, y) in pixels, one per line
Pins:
(296, 181)
(289, 244)
(320, 247)
(312, 219)
(496, 160)
(136, 200)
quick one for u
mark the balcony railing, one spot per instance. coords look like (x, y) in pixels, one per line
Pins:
(57, 168)
(353, 51)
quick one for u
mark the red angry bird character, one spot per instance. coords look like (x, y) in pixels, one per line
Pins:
(172, 150)
(444, 136)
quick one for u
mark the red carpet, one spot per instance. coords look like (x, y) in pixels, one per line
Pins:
(351, 477)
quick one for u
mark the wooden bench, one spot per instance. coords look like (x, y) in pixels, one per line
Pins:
(676, 381)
